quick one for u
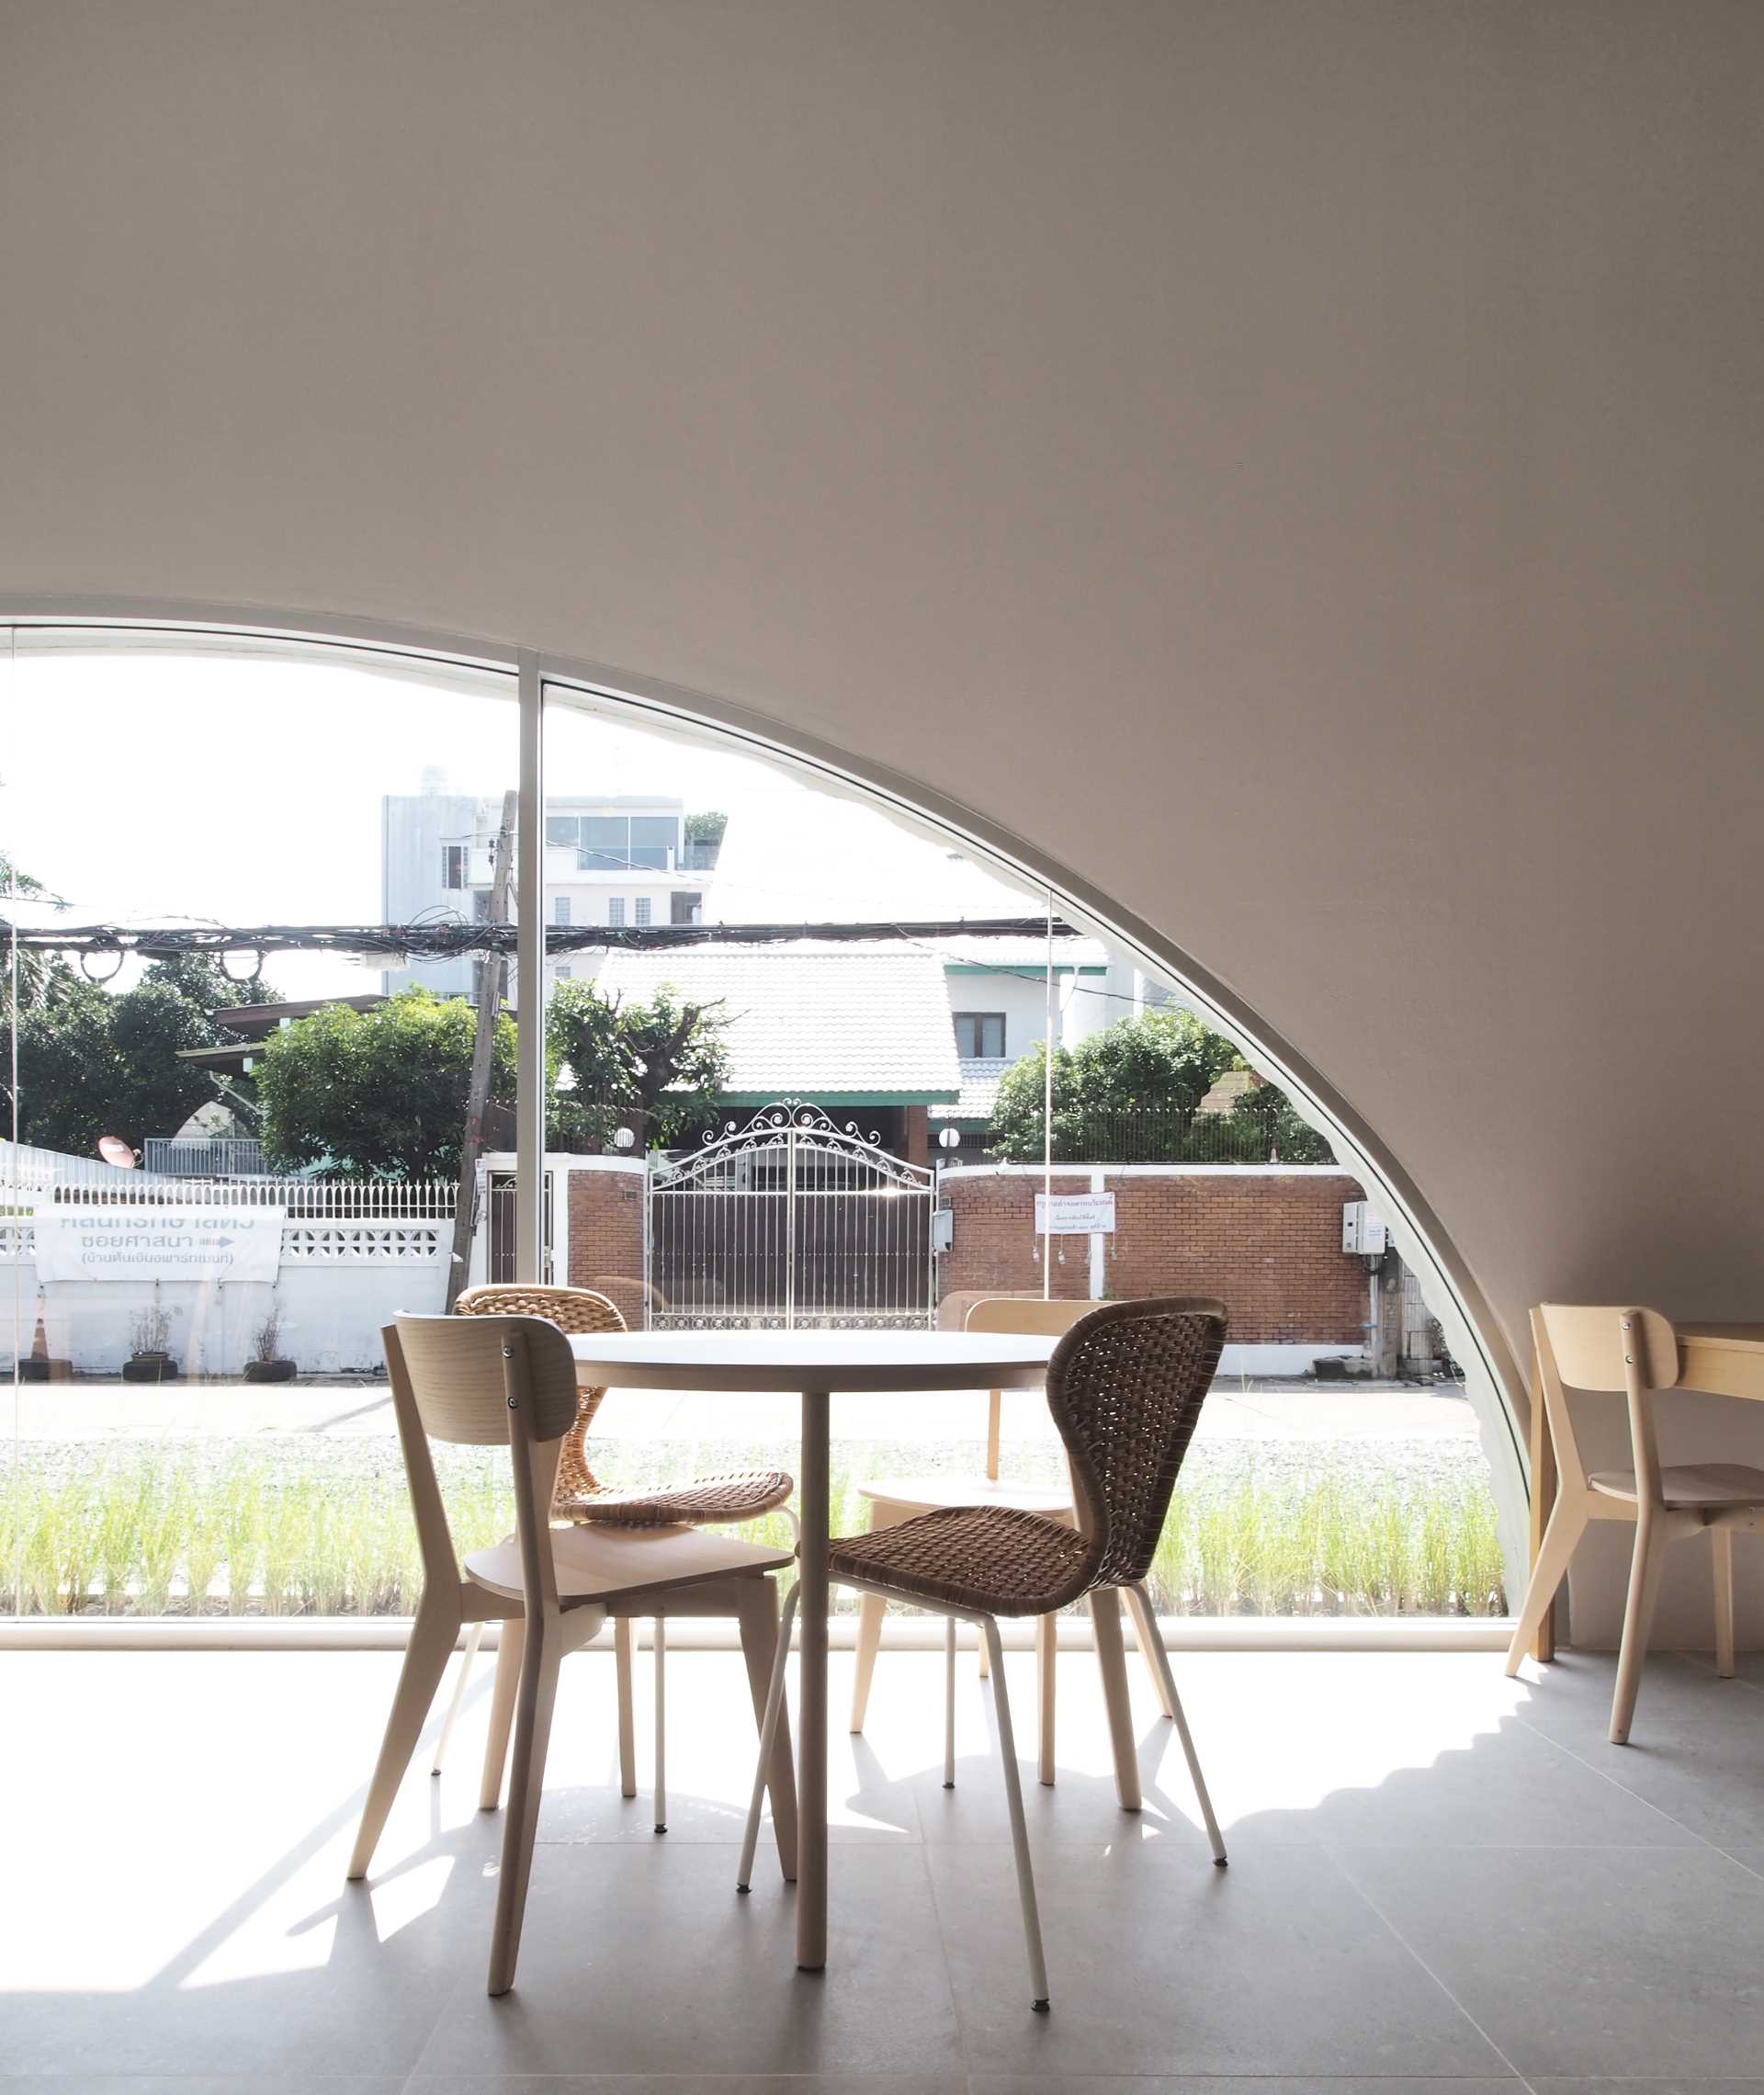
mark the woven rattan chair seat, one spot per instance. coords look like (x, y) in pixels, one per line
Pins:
(738, 1495)
(997, 1559)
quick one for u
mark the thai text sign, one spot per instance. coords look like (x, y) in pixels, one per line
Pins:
(1074, 1214)
(158, 1243)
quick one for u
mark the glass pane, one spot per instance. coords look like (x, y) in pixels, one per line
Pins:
(657, 833)
(239, 1151)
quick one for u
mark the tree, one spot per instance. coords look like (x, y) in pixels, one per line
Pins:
(707, 826)
(381, 1094)
(35, 969)
(1163, 1062)
(95, 1062)
(660, 1066)
(1156, 1067)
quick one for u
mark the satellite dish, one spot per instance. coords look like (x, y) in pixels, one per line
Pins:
(115, 1150)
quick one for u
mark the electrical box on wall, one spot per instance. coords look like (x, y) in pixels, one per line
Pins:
(1363, 1230)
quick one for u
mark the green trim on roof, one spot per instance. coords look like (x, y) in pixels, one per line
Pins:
(1009, 968)
(842, 1098)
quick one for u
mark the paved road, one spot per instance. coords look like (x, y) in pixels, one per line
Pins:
(1236, 1410)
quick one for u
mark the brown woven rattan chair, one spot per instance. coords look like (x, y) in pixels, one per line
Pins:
(584, 1501)
(1125, 1386)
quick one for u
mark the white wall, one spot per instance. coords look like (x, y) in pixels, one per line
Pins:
(1295, 464)
(1023, 1002)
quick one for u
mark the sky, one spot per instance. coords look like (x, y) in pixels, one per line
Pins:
(155, 787)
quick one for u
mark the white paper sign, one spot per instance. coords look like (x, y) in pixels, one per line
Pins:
(158, 1243)
(1075, 1214)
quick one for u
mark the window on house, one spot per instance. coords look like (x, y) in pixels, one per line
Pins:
(616, 909)
(683, 905)
(565, 972)
(980, 1033)
(453, 865)
(560, 909)
(642, 909)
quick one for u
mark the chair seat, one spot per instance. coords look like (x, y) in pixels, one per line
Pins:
(607, 1563)
(997, 1559)
(737, 1495)
(1691, 1485)
(931, 1494)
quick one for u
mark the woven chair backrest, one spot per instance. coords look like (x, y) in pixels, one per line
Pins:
(465, 1372)
(1126, 1387)
(570, 1309)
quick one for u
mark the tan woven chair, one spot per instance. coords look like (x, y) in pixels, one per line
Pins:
(584, 1501)
(510, 1381)
(1125, 1385)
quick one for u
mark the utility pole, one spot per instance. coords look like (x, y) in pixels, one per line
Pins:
(493, 989)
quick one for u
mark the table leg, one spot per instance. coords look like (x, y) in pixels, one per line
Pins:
(1542, 1502)
(811, 1760)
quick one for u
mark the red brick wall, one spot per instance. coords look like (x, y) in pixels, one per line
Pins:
(606, 1237)
(1269, 1245)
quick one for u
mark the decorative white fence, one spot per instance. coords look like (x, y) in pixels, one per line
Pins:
(352, 1252)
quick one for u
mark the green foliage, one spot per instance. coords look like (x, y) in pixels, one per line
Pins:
(36, 971)
(1284, 1137)
(91, 1063)
(379, 1093)
(137, 1529)
(660, 1066)
(707, 826)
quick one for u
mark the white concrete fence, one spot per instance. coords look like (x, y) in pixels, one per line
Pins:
(351, 1253)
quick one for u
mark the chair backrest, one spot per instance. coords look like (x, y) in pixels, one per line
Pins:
(1606, 1349)
(1126, 1386)
(570, 1309)
(1016, 1313)
(476, 1381)
(1025, 1313)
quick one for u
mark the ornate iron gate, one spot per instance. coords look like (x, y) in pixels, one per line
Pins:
(788, 1221)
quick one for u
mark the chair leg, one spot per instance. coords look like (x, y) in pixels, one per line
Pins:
(1561, 1539)
(869, 1637)
(622, 1662)
(502, 1715)
(1019, 1824)
(425, 1660)
(985, 1661)
(949, 1701)
(1046, 1658)
(757, 1600)
(1722, 1543)
(1146, 1630)
(1156, 1652)
(534, 1703)
(1111, 1662)
(661, 1641)
(468, 1659)
(773, 1726)
(1638, 1619)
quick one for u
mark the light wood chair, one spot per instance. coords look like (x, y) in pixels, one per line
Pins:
(722, 1501)
(1125, 1385)
(901, 1499)
(511, 1380)
(1637, 1351)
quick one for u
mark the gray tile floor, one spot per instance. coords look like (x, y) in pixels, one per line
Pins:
(1439, 1876)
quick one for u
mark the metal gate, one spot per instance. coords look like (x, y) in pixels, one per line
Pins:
(789, 1221)
(499, 1194)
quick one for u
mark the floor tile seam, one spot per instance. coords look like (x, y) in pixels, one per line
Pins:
(1616, 1782)
(1403, 1941)
(949, 1975)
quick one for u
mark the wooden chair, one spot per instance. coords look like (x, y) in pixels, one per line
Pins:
(582, 1498)
(1126, 1387)
(902, 1497)
(489, 1380)
(1637, 1351)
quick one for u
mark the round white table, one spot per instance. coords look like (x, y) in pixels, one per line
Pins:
(814, 1365)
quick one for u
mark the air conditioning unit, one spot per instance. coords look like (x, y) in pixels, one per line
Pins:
(1363, 1233)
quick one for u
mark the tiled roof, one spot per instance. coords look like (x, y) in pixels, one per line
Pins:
(980, 1075)
(858, 1023)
